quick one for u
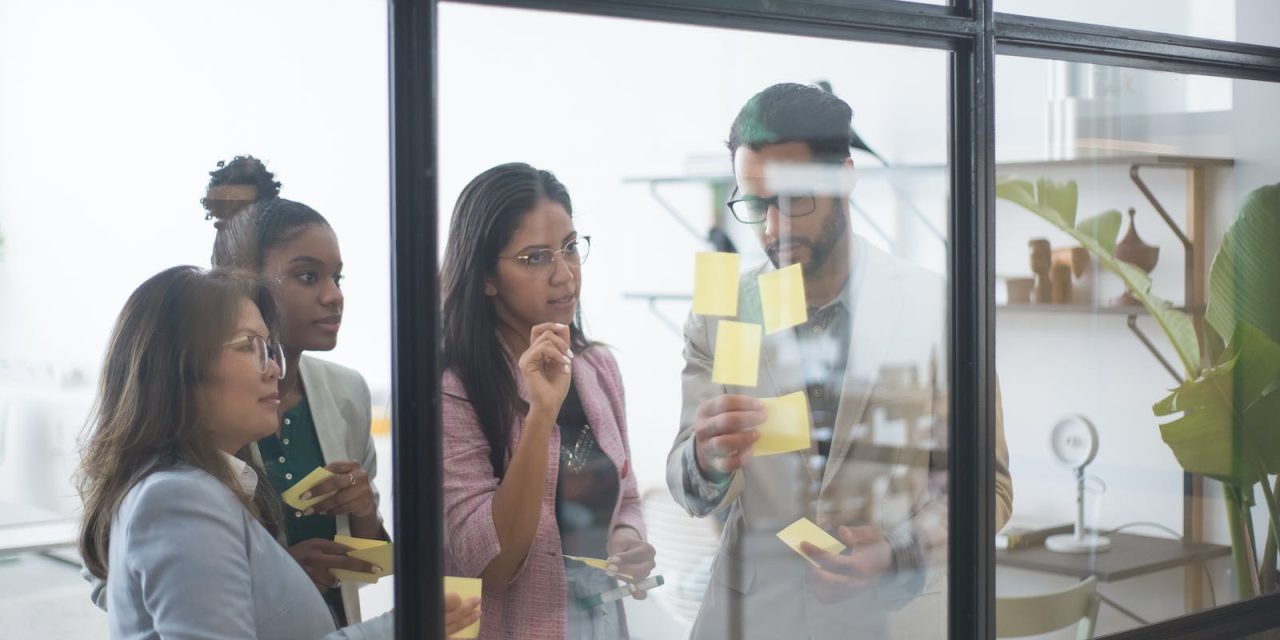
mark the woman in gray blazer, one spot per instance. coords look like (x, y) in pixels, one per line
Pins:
(179, 527)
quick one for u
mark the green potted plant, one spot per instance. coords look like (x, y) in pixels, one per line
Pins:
(1223, 421)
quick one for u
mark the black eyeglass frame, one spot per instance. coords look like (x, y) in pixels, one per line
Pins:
(774, 201)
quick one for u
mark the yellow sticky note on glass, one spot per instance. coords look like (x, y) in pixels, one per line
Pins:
(715, 284)
(804, 530)
(737, 359)
(786, 425)
(466, 588)
(379, 553)
(782, 299)
(293, 497)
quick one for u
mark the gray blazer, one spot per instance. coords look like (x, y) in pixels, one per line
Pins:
(758, 586)
(188, 561)
(340, 406)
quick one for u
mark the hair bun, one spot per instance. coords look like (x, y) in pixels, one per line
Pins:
(235, 185)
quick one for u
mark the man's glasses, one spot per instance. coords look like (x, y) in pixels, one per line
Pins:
(574, 253)
(754, 209)
(264, 353)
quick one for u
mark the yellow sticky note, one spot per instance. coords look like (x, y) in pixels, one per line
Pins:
(804, 530)
(379, 553)
(293, 497)
(466, 588)
(591, 562)
(782, 299)
(786, 425)
(715, 284)
(737, 354)
(598, 563)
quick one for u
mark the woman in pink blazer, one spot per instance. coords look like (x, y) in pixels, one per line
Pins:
(537, 465)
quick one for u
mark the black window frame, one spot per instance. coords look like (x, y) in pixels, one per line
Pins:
(975, 35)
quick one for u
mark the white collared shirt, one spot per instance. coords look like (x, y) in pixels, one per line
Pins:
(243, 473)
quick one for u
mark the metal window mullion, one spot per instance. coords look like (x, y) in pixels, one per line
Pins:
(1062, 40)
(971, 368)
(417, 454)
(881, 21)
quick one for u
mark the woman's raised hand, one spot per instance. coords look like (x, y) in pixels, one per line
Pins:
(546, 368)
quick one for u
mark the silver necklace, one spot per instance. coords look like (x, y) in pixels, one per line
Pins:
(575, 458)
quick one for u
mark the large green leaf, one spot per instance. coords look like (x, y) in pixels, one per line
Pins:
(1244, 281)
(1229, 427)
(1062, 198)
(1098, 235)
(1104, 228)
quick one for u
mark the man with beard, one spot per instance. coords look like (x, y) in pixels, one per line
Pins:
(869, 315)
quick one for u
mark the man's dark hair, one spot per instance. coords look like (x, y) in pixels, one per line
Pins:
(790, 112)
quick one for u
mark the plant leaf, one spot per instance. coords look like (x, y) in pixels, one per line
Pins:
(1244, 281)
(1062, 198)
(1104, 227)
(1227, 429)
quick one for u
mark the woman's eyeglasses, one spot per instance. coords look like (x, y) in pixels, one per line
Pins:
(574, 253)
(264, 353)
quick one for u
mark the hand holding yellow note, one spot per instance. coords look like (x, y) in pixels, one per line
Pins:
(786, 425)
(466, 588)
(379, 553)
(804, 530)
(715, 284)
(782, 299)
(293, 497)
(737, 359)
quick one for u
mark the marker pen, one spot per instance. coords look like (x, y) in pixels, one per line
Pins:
(603, 598)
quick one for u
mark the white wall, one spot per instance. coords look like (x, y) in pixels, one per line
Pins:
(112, 115)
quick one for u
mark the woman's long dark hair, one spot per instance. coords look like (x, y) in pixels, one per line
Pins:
(486, 216)
(146, 416)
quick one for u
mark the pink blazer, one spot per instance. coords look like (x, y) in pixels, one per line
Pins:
(534, 604)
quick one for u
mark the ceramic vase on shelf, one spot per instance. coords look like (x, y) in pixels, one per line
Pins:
(1133, 250)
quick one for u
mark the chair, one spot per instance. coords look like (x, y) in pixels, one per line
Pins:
(685, 547)
(1032, 615)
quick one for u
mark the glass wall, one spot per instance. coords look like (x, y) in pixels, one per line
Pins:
(754, 404)
(113, 115)
(1169, 180)
(837, 326)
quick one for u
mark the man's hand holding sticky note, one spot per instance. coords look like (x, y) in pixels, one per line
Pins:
(715, 284)
(786, 425)
(782, 299)
(737, 359)
(466, 589)
(293, 496)
(804, 530)
(378, 553)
